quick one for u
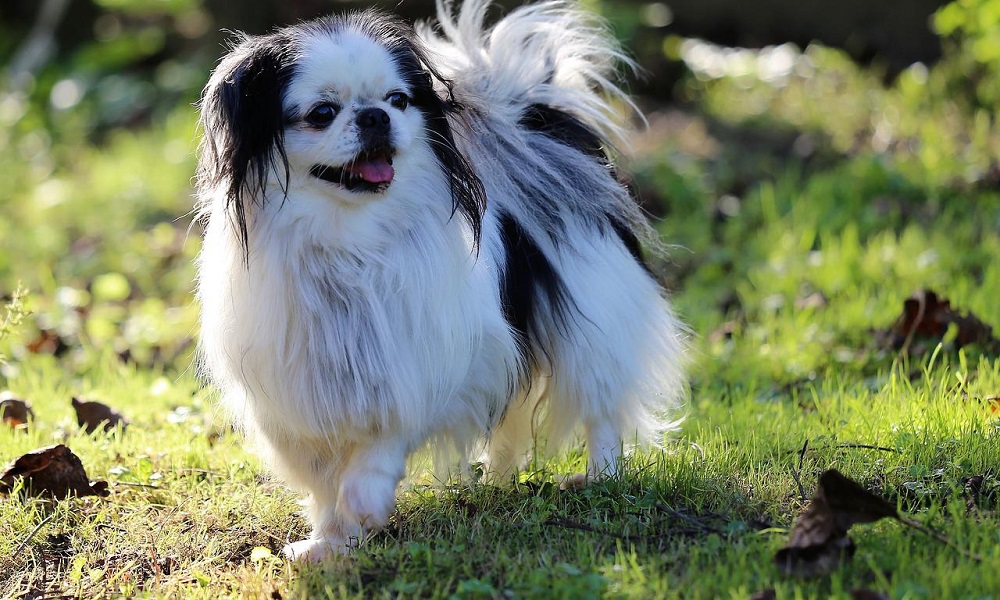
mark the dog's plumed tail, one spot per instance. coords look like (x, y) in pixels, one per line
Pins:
(544, 120)
(552, 54)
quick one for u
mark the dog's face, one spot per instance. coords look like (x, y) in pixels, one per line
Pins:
(337, 107)
(348, 115)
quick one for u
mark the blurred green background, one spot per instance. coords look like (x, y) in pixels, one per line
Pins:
(766, 119)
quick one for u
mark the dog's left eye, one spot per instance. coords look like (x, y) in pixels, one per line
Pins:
(398, 100)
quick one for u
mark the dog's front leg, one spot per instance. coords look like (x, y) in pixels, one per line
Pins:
(362, 503)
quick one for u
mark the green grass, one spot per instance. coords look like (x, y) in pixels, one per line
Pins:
(801, 215)
(188, 506)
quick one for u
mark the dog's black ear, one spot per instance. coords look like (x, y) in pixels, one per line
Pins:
(467, 192)
(243, 125)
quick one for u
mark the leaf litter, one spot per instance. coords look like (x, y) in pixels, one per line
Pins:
(53, 471)
(92, 415)
(14, 411)
(926, 319)
(819, 540)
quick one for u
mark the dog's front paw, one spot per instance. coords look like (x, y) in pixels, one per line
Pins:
(575, 482)
(315, 550)
(579, 481)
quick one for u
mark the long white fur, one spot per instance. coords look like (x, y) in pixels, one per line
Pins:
(359, 330)
(508, 66)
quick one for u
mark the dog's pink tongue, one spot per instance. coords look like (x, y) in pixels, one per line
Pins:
(372, 170)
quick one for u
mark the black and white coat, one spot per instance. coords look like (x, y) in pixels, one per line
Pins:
(418, 236)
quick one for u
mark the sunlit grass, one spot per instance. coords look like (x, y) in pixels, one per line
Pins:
(189, 506)
(801, 209)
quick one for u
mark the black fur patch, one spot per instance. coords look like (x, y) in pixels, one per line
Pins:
(244, 125)
(571, 131)
(529, 276)
(566, 129)
(630, 240)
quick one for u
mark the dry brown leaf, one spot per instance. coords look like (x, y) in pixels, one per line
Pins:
(53, 471)
(94, 415)
(819, 540)
(48, 342)
(15, 412)
(927, 316)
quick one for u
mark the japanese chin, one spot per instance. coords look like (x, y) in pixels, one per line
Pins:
(418, 235)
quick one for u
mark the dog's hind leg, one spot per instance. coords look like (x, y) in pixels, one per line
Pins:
(581, 397)
(617, 356)
(510, 443)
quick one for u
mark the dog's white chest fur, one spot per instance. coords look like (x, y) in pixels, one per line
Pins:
(346, 344)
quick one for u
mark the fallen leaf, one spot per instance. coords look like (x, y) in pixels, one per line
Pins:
(94, 415)
(52, 471)
(48, 342)
(14, 411)
(819, 540)
(927, 316)
(978, 491)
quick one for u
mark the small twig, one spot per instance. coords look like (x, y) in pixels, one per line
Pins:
(846, 446)
(275, 538)
(138, 485)
(568, 524)
(798, 469)
(584, 527)
(921, 310)
(32, 534)
(867, 447)
(674, 513)
(939, 537)
(201, 471)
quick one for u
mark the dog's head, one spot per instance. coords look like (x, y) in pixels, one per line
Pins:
(337, 105)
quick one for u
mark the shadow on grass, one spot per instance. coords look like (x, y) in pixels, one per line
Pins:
(528, 540)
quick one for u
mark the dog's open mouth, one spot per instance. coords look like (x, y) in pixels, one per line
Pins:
(369, 172)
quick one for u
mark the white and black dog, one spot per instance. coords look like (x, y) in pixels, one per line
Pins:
(417, 235)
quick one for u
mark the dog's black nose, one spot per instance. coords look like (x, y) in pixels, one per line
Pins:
(374, 129)
(373, 118)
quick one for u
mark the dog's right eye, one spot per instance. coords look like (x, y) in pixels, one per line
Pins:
(321, 115)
